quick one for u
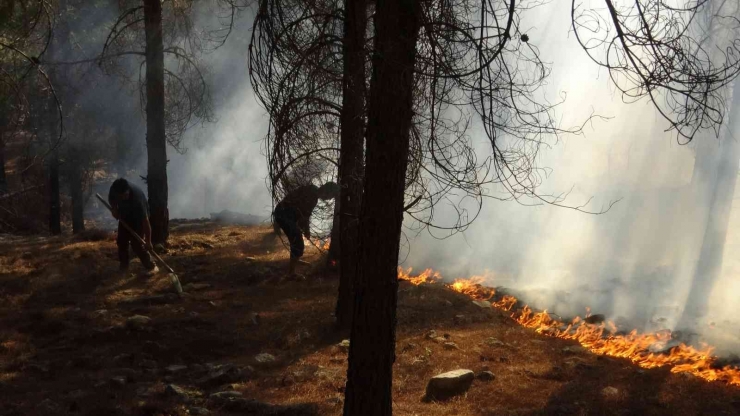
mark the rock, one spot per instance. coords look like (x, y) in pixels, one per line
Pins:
(305, 372)
(138, 321)
(344, 346)
(225, 395)
(118, 381)
(172, 369)
(595, 319)
(482, 303)
(449, 384)
(494, 342)
(610, 392)
(461, 320)
(100, 313)
(265, 359)
(175, 391)
(485, 376)
(450, 346)
(447, 303)
(431, 334)
(222, 374)
(439, 340)
(199, 411)
(192, 287)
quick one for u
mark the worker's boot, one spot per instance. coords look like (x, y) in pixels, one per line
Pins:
(292, 274)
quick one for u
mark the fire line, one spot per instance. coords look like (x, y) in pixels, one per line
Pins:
(601, 338)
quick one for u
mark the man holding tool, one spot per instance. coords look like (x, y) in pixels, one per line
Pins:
(128, 204)
(293, 216)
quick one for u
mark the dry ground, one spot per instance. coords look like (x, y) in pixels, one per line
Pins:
(65, 347)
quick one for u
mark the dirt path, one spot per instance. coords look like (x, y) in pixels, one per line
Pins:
(71, 341)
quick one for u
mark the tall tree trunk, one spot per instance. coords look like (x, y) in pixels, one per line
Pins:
(55, 212)
(709, 265)
(78, 203)
(334, 246)
(351, 163)
(3, 178)
(156, 141)
(372, 347)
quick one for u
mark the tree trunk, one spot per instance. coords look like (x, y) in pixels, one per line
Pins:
(709, 265)
(334, 246)
(351, 163)
(156, 141)
(372, 347)
(78, 203)
(3, 178)
(55, 212)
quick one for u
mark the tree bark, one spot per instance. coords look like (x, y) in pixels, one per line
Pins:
(3, 178)
(78, 203)
(156, 141)
(334, 246)
(55, 212)
(351, 160)
(372, 347)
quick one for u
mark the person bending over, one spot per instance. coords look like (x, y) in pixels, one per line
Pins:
(130, 206)
(293, 215)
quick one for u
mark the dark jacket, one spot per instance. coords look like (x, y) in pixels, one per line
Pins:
(134, 210)
(300, 202)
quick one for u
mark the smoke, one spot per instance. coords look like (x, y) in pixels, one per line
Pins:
(223, 167)
(638, 260)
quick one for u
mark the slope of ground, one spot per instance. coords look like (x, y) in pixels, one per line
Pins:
(69, 347)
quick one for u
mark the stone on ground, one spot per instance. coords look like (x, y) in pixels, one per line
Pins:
(610, 392)
(485, 376)
(138, 321)
(449, 384)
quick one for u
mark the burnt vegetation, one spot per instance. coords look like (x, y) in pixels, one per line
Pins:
(388, 98)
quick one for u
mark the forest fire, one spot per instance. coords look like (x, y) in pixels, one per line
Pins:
(600, 338)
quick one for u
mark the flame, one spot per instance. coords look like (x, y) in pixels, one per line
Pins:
(601, 338)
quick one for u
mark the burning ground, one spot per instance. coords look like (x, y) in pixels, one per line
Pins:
(75, 338)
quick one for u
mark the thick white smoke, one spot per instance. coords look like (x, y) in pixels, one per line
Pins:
(637, 260)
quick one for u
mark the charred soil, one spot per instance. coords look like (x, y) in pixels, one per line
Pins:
(75, 339)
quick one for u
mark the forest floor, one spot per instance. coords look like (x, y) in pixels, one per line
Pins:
(68, 345)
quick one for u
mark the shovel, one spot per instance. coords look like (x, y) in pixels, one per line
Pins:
(173, 276)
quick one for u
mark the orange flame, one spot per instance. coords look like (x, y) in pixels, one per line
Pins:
(598, 338)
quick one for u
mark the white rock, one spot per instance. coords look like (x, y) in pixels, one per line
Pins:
(451, 383)
(138, 321)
